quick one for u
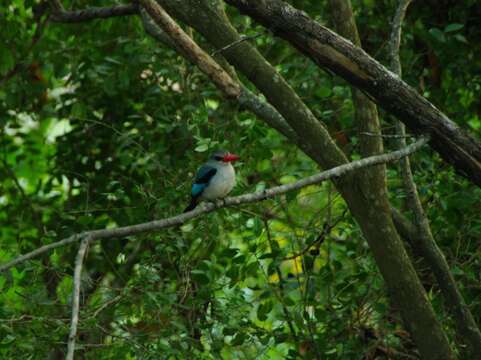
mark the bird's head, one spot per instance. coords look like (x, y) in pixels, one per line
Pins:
(223, 156)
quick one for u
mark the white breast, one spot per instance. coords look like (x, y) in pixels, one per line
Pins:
(221, 184)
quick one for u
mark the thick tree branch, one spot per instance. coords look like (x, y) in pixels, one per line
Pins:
(331, 51)
(245, 98)
(59, 14)
(230, 201)
(209, 19)
(76, 297)
(190, 49)
(365, 113)
(157, 33)
(467, 328)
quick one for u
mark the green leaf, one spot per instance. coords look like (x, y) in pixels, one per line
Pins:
(228, 331)
(268, 255)
(238, 339)
(288, 301)
(453, 27)
(461, 38)
(200, 277)
(263, 310)
(7, 60)
(229, 252)
(475, 123)
(438, 34)
(202, 148)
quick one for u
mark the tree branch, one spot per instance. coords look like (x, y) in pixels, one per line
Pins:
(59, 14)
(235, 43)
(191, 50)
(76, 297)
(466, 325)
(395, 38)
(230, 201)
(246, 98)
(329, 50)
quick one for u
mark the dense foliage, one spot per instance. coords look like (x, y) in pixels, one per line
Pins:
(103, 126)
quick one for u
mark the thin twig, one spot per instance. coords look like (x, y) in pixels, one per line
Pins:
(76, 297)
(105, 305)
(320, 239)
(235, 43)
(388, 136)
(395, 38)
(157, 225)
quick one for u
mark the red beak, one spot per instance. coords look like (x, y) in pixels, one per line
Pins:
(230, 157)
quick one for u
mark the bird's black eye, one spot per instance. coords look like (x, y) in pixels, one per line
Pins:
(218, 158)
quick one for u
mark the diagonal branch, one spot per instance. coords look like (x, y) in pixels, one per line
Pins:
(191, 50)
(75, 16)
(157, 225)
(235, 43)
(76, 297)
(246, 98)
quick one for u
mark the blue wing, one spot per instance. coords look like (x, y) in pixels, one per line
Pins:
(202, 179)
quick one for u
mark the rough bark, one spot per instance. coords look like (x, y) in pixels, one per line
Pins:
(208, 18)
(365, 111)
(339, 55)
(191, 50)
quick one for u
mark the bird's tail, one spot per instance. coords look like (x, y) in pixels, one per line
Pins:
(192, 205)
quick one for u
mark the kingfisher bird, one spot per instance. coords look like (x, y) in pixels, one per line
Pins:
(214, 180)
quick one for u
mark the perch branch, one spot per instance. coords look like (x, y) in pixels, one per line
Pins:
(156, 225)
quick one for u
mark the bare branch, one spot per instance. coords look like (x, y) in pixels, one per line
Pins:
(191, 50)
(387, 136)
(76, 297)
(153, 30)
(395, 38)
(75, 16)
(157, 225)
